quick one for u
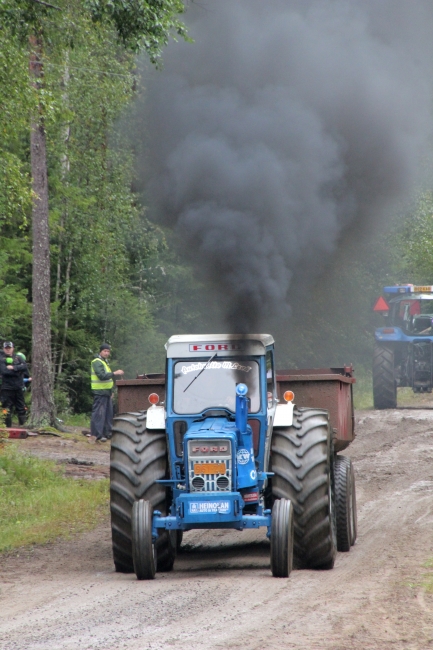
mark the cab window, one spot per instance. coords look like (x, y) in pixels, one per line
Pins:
(270, 377)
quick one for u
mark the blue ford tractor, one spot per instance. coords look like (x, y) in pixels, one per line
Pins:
(217, 449)
(403, 349)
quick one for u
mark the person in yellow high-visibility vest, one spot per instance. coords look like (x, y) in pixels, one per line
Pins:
(102, 384)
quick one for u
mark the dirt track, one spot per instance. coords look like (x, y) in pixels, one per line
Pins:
(221, 593)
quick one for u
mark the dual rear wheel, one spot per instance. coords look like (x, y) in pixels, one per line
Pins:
(320, 485)
(302, 463)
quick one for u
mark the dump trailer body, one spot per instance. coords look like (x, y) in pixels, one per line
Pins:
(133, 394)
(326, 388)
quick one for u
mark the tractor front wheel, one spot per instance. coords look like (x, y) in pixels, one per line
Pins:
(143, 549)
(282, 535)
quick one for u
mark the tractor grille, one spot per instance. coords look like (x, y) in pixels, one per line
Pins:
(210, 465)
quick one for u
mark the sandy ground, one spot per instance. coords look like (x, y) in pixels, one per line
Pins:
(221, 593)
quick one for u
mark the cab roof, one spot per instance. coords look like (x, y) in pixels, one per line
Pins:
(196, 345)
(408, 289)
(413, 296)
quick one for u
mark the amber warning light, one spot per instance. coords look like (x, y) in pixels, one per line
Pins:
(153, 399)
(289, 396)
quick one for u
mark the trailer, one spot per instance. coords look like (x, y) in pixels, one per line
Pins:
(223, 440)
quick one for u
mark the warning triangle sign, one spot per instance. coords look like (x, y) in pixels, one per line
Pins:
(381, 305)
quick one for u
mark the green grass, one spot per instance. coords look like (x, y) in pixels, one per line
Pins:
(363, 388)
(363, 392)
(38, 504)
(427, 582)
(76, 420)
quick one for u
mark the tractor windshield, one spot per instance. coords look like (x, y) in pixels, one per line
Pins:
(414, 315)
(215, 386)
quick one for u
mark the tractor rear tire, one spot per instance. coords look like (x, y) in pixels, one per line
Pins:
(302, 462)
(138, 460)
(384, 384)
(282, 535)
(143, 548)
(343, 503)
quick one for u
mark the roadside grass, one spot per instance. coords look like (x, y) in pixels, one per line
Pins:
(363, 388)
(39, 505)
(363, 392)
(427, 582)
(75, 420)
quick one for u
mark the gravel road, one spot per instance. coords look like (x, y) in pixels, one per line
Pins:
(221, 593)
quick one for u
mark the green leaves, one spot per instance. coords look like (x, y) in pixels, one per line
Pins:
(111, 270)
(414, 243)
(141, 24)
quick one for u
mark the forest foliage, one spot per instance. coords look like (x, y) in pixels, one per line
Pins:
(108, 262)
(115, 275)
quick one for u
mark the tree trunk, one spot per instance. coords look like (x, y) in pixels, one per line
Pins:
(43, 411)
(58, 352)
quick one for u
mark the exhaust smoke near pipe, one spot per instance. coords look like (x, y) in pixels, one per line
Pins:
(285, 123)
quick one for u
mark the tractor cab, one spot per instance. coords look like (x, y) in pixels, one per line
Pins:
(414, 314)
(220, 405)
(408, 312)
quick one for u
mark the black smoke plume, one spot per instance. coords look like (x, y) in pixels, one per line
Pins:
(285, 123)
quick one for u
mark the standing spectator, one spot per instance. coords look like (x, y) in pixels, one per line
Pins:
(12, 369)
(102, 384)
(26, 379)
(25, 375)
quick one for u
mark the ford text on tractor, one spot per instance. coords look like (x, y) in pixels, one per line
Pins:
(403, 347)
(222, 445)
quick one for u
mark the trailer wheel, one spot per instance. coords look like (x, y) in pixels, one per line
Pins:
(384, 384)
(354, 528)
(282, 534)
(138, 459)
(143, 548)
(343, 503)
(302, 462)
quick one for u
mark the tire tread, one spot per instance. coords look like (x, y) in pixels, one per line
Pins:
(138, 459)
(307, 487)
(384, 385)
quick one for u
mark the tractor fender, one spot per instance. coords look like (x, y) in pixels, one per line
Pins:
(284, 415)
(155, 417)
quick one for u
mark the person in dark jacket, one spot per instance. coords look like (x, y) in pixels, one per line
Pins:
(102, 384)
(12, 368)
(26, 374)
